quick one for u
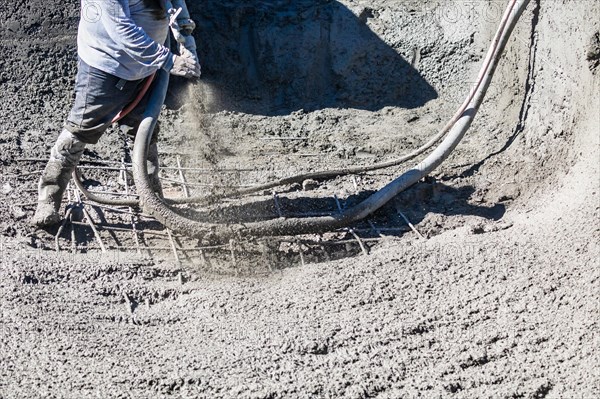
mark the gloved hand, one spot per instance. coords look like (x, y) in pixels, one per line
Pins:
(186, 65)
(188, 43)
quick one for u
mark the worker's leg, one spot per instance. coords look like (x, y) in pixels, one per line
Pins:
(99, 96)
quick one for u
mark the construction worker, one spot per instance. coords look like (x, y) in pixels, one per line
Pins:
(120, 43)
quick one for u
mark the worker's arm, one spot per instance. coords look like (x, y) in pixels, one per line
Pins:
(116, 18)
(182, 27)
(184, 21)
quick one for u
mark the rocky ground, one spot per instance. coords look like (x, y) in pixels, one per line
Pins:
(499, 299)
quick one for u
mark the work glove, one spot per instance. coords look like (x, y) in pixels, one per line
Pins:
(188, 43)
(186, 65)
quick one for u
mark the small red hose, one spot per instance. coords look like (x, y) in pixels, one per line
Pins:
(123, 113)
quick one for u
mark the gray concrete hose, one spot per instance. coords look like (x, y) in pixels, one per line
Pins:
(156, 207)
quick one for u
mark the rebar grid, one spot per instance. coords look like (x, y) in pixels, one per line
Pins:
(132, 223)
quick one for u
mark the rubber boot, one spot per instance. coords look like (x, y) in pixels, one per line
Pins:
(64, 156)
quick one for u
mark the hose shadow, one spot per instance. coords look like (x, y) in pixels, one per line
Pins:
(418, 201)
(431, 206)
(437, 207)
(275, 57)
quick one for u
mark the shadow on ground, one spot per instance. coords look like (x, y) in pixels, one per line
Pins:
(419, 203)
(421, 199)
(275, 57)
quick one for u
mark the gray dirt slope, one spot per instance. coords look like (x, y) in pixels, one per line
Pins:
(500, 306)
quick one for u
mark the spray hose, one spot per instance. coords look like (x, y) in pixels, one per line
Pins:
(454, 131)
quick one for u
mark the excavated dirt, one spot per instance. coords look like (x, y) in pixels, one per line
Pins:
(499, 299)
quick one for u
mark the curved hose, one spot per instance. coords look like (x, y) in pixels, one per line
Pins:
(330, 174)
(101, 200)
(281, 226)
